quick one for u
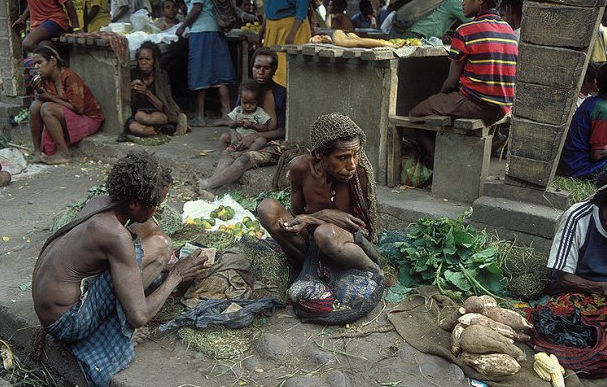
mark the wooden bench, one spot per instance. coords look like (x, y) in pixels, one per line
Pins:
(462, 153)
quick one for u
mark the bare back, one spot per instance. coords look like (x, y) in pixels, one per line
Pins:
(80, 253)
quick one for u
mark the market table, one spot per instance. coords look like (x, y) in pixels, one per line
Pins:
(368, 85)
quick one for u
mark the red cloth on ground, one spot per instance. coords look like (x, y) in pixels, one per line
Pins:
(42, 10)
(78, 127)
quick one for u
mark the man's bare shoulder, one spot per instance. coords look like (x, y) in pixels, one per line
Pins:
(300, 165)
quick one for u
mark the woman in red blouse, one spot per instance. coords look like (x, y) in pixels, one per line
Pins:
(65, 110)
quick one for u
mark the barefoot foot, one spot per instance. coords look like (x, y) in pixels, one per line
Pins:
(57, 158)
(36, 159)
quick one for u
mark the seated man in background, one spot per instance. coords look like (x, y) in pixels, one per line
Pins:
(584, 154)
(589, 87)
(90, 279)
(481, 76)
(577, 257)
(364, 18)
(424, 19)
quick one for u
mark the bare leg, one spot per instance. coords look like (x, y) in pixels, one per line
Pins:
(228, 174)
(151, 119)
(36, 126)
(141, 130)
(270, 212)
(31, 41)
(52, 116)
(259, 143)
(338, 245)
(157, 250)
(200, 106)
(224, 99)
(225, 140)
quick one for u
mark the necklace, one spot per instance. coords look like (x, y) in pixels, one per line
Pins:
(332, 195)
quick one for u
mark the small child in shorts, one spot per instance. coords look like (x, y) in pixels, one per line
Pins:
(247, 119)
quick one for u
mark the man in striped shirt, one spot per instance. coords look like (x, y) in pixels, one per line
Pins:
(577, 257)
(481, 77)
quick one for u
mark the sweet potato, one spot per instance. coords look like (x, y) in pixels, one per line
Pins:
(477, 304)
(481, 339)
(455, 338)
(449, 321)
(479, 319)
(508, 317)
(492, 365)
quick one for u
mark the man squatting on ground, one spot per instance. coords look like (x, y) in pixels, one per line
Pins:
(577, 257)
(332, 197)
(90, 280)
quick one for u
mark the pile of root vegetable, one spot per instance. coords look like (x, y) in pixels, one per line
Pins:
(483, 335)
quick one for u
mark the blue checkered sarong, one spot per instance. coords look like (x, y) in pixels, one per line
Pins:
(96, 331)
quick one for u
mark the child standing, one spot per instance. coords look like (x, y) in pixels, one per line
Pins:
(246, 120)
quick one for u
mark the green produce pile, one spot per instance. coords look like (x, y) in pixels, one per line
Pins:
(451, 255)
(251, 203)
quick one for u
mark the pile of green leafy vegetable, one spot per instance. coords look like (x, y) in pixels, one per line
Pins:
(251, 203)
(451, 255)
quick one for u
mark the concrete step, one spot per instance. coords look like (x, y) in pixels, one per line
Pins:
(550, 197)
(528, 218)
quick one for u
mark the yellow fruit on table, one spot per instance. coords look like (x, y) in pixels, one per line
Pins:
(206, 225)
(190, 221)
(238, 226)
(237, 233)
(246, 220)
(222, 227)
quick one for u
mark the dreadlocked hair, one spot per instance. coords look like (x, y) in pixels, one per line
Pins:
(138, 177)
(333, 127)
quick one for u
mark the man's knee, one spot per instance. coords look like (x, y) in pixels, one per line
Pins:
(29, 44)
(269, 211)
(225, 137)
(47, 110)
(325, 237)
(159, 246)
(140, 117)
(35, 107)
(244, 161)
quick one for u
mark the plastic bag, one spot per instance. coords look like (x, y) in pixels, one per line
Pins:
(140, 19)
(566, 330)
(414, 173)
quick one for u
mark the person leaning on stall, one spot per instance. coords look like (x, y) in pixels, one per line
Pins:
(64, 111)
(286, 22)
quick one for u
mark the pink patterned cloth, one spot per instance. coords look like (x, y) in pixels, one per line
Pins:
(78, 127)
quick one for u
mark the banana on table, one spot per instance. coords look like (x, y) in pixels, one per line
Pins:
(351, 40)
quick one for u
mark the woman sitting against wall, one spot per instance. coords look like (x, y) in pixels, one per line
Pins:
(64, 111)
(152, 105)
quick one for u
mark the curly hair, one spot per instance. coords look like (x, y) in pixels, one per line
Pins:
(138, 177)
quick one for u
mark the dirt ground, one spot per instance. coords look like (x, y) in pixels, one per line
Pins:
(283, 351)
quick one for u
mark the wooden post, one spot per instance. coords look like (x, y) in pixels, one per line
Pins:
(11, 54)
(556, 39)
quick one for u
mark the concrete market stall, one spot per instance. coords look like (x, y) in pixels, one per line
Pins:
(368, 85)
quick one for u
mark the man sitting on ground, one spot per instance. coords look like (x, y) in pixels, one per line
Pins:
(90, 280)
(332, 197)
(584, 154)
(481, 77)
(577, 257)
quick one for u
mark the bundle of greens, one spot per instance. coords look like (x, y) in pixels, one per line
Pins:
(251, 203)
(451, 255)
